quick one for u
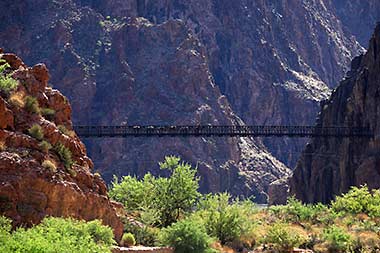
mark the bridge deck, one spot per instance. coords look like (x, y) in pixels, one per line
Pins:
(206, 130)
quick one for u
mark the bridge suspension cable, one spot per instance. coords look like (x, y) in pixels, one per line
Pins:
(220, 131)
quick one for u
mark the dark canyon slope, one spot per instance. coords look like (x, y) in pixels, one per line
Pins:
(187, 62)
(270, 58)
(358, 16)
(37, 179)
(330, 166)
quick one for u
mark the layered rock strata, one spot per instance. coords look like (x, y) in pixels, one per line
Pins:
(36, 178)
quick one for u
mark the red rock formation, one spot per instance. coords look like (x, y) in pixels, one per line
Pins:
(30, 190)
(330, 166)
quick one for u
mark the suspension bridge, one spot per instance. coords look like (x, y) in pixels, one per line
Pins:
(220, 131)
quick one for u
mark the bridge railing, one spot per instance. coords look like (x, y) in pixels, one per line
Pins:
(208, 130)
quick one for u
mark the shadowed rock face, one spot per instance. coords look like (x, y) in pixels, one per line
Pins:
(270, 58)
(30, 190)
(330, 166)
(359, 17)
(187, 62)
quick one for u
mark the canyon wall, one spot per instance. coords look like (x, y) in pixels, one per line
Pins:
(188, 62)
(36, 174)
(329, 166)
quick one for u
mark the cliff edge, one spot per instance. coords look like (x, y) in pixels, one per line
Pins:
(44, 169)
(329, 166)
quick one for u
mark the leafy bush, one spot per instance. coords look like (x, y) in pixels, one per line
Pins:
(358, 200)
(47, 164)
(128, 240)
(186, 236)
(7, 83)
(64, 154)
(144, 235)
(167, 198)
(296, 211)
(58, 235)
(282, 237)
(133, 193)
(48, 113)
(224, 220)
(31, 105)
(336, 239)
(45, 146)
(36, 132)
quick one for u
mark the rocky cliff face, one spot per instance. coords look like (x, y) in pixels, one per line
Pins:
(268, 58)
(187, 62)
(359, 17)
(35, 182)
(330, 166)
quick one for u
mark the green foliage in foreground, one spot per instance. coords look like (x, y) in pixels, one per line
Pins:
(128, 240)
(187, 236)
(191, 222)
(162, 201)
(56, 235)
(7, 83)
(358, 200)
(337, 240)
(225, 219)
(282, 237)
(296, 211)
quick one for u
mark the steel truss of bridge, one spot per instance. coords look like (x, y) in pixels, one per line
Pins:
(220, 131)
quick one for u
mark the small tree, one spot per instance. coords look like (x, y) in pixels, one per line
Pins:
(176, 195)
(167, 198)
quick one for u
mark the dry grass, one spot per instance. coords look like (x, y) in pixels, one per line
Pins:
(50, 165)
(17, 99)
(2, 146)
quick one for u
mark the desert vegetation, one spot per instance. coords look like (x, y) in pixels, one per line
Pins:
(171, 211)
(57, 235)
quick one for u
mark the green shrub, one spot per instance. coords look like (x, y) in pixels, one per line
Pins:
(128, 240)
(36, 132)
(47, 164)
(186, 236)
(64, 154)
(296, 211)
(135, 194)
(59, 235)
(45, 146)
(167, 198)
(337, 240)
(31, 105)
(144, 235)
(228, 221)
(358, 200)
(7, 83)
(72, 172)
(282, 237)
(48, 113)
(65, 131)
